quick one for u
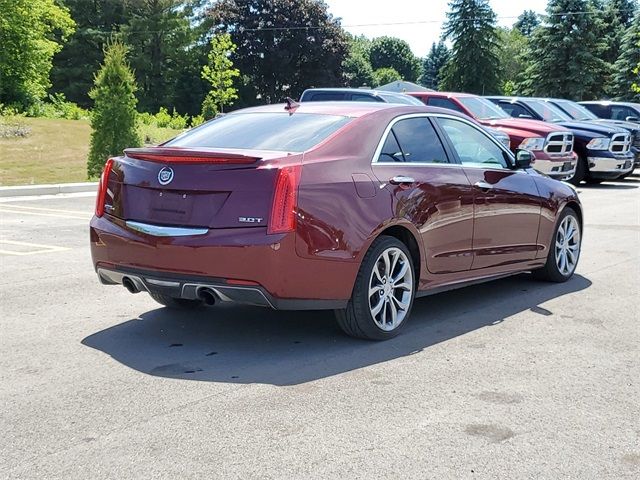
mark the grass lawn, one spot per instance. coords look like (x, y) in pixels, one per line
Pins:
(55, 151)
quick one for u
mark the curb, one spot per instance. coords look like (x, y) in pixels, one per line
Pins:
(51, 189)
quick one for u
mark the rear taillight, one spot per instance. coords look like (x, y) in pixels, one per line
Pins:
(285, 199)
(103, 187)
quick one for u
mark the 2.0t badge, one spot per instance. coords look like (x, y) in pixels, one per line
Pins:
(165, 175)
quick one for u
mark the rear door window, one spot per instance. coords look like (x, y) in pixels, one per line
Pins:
(417, 142)
(363, 97)
(515, 110)
(621, 112)
(325, 97)
(444, 103)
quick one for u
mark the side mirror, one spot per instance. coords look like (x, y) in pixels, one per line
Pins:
(524, 158)
(632, 119)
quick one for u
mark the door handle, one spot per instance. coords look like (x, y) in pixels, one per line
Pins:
(482, 185)
(400, 180)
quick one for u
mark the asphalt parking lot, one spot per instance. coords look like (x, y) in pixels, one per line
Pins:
(512, 379)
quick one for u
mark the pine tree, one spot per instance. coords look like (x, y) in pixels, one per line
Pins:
(219, 72)
(527, 22)
(566, 53)
(474, 64)
(113, 120)
(616, 17)
(629, 58)
(432, 65)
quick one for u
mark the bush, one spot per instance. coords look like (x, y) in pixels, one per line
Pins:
(197, 120)
(12, 125)
(57, 107)
(114, 117)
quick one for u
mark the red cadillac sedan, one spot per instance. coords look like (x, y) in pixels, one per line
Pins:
(355, 207)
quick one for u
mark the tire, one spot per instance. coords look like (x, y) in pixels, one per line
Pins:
(360, 318)
(580, 173)
(554, 269)
(177, 303)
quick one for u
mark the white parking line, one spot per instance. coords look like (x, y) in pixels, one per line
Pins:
(39, 248)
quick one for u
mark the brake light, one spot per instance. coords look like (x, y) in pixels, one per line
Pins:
(102, 188)
(285, 199)
(185, 155)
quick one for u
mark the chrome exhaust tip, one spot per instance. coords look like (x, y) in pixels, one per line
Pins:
(130, 285)
(207, 296)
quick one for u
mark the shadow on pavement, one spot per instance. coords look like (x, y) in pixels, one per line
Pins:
(609, 186)
(257, 345)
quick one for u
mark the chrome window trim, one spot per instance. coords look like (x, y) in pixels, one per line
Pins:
(164, 231)
(385, 134)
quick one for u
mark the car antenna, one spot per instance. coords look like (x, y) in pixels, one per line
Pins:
(290, 104)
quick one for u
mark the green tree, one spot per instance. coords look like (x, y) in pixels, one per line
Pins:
(474, 63)
(616, 16)
(391, 52)
(219, 72)
(566, 54)
(513, 57)
(276, 60)
(382, 76)
(432, 65)
(161, 34)
(356, 67)
(527, 22)
(31, 32)
(75, 64)
(113, 120)
(625, 76)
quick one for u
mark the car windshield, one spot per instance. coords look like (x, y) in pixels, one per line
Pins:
(575, 110)
(548, 112)
(400, 98)
(285, 132)
(482, 108)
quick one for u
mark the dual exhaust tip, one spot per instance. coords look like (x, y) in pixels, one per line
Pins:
(206, 295)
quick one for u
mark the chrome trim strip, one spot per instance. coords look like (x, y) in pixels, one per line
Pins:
(162, 231)
(162, 283)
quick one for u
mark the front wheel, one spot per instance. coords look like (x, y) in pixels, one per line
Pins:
(564, 250)
(580, 172)
(383, 292)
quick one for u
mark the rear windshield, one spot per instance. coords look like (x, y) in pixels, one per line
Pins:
(262, 131)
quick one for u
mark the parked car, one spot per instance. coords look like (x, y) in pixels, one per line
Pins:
(551, 146)
(582, 114)
(604, 151)
(627, 111)
(357, 207)
(355, 95)
(362, 95)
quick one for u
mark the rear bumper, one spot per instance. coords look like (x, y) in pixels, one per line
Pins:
(610, 167)
(243, 265)
(555, 166)
(190, 288)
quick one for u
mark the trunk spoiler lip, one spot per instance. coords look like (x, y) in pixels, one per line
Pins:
(189, 155)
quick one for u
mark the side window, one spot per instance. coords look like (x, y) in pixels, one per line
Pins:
(326, 96)
(417, 141)
(474, 148)
(360, 97)
(599, 110)
(444, 103)
(391, 151)
(515, 110)
(620, 112)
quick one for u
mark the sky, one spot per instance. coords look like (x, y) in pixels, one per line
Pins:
(428, 16)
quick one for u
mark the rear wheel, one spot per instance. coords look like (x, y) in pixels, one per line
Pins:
(172, 302)
(564, 250)
(383, 292)
(580, 172)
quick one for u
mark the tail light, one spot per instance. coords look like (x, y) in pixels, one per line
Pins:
(285, 199)
(102, 188)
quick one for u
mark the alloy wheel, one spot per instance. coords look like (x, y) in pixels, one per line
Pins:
(567, 245)
(390, 289)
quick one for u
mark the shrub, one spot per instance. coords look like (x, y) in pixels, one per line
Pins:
(57, 107)
(114, 113)
(197, 120)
